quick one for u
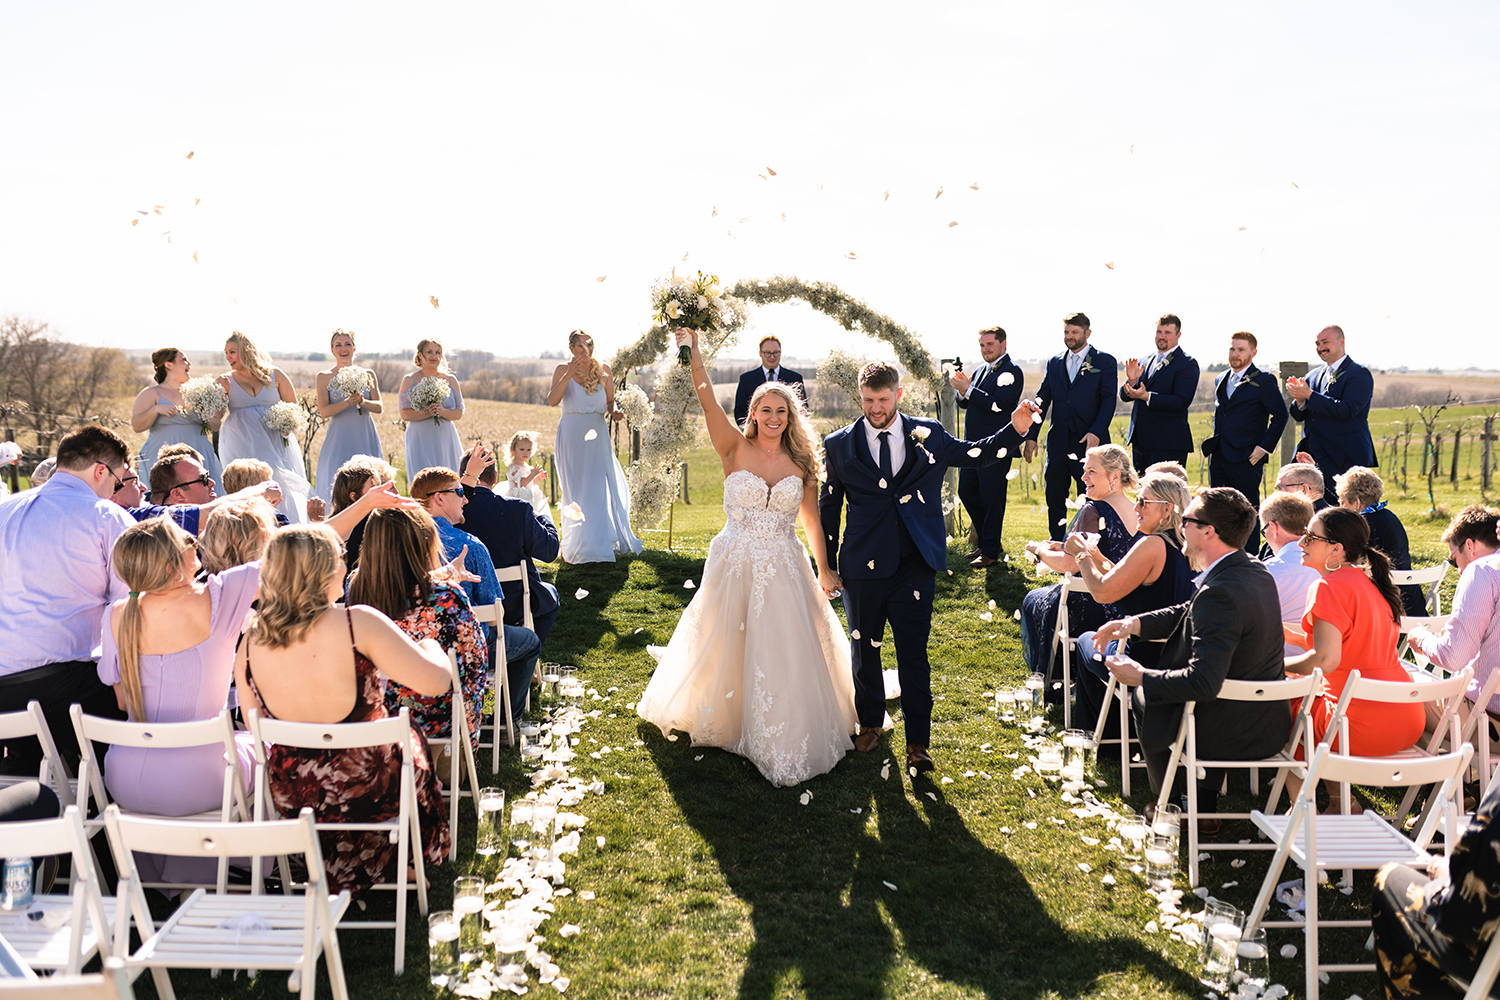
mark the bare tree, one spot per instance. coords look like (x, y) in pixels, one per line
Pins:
(55, 381)
(1429, 417)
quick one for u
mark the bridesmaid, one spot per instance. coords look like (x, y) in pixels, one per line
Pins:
(159, 410)
(427, 443)
(254, 386)
(587, 469)
(351, 426)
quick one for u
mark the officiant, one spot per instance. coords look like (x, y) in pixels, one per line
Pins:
(769, 370)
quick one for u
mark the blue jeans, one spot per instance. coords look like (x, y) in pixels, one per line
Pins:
(521, 649)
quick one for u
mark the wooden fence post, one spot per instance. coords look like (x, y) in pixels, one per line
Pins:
(1453, 472)
(1293, 429)
(1485, 460)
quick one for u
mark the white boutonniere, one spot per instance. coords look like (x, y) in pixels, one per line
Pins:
(920, 433)
(1086, 367)
(1333, 376)
(1165, 361)
(1249, 379)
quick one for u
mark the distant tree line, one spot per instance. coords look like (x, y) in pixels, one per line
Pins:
(48, 384)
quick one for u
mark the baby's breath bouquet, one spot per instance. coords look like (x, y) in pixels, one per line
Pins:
(691, 304)
(204, 398)
(286, 419)
(428, 391)
(636, 404)
(352, 381)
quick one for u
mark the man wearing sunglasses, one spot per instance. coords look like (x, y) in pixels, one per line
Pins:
(57, 547)
(184, 505)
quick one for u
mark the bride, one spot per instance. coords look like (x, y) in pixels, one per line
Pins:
(759, 664)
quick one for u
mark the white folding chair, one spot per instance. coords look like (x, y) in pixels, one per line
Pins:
(112, 984)
(1404, 652)
(1305, 688)
(217, 731)
(1064, 643)
(491, 614)
(219, 931)
(1431, 578)
(1318, 843)
(52, 773)
(1472, 713)
(460, 756)
(404, 829)
(45, 944)
(517, 574)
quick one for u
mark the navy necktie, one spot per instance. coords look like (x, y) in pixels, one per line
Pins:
(885, 456)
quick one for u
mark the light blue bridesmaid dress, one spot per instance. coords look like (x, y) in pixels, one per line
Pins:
(349, 433)
(591, 477)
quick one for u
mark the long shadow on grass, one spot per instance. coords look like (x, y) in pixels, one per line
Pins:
(817, 879)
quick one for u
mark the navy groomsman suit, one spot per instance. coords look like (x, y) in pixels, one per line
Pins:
(1158, 430)
(983, 490)
(1084, 405)
(1253, 416)
(514, 533)
(754, 379)
(894, 542)
(1336, 419)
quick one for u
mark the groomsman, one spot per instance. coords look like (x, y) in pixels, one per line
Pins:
(1161, 387)
(1249, 416)
(989, 397)
(1079, 388)
(1333, 405)
(770, 370)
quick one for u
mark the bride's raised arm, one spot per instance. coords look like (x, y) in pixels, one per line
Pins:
(721, 430)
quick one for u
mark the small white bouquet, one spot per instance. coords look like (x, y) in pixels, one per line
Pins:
(286, 419)
(204, 398)
(637, 406)
(352, 381)
(427, 392)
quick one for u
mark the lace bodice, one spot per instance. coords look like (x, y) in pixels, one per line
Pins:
(759, 509)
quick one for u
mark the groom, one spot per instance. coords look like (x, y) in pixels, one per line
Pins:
(890, 467)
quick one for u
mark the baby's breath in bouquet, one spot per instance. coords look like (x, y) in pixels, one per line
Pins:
(352, 381)
(428, 391)
(204, 398)
(286, 419)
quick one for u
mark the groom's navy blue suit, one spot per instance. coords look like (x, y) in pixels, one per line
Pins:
(894, 543)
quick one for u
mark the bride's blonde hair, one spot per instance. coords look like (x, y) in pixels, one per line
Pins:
(797, 440)
(595, 374)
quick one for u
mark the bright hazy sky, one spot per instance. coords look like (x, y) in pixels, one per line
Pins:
(353, 159)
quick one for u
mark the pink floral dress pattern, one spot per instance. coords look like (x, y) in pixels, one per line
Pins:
(447, 619)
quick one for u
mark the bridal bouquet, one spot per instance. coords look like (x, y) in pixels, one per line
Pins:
(691, 304)
(428, 391)
(352, 381)
(286, 419)
(204, 398)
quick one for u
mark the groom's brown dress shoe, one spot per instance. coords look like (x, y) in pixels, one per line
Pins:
(865, 742)
(918, 759)
(983, 562)
(974, 555)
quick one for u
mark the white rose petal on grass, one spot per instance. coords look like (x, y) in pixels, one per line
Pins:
(1288, 951)
(946, 781)
(580, 594)
(1237, 863)
(889, 885)
(885, 772)
(986, 616)
(568, 930)
(992, 604)
(587, 894)
(688, 585)
(1108, 880)
(592, 434)
(699, 757)
(1030, 824)
(1085, 867)
(805, 798)
(930, 795)
(598, 842)
(1091, 841)
(636, 632)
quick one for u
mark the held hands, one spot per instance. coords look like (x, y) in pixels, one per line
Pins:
(1298, 389)
(831, 583)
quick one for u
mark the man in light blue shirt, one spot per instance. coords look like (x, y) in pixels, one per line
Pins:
(57, 547)
(1284, 518)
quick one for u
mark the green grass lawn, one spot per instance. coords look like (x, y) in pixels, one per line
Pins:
(714, 884)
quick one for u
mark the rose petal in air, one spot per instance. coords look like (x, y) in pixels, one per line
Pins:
(1013, 473)
(882, 483)
(917, 594)
(905, 498)
(592, 434)
(854, 634)
(580, 594)
(688, 585)
(973, 452)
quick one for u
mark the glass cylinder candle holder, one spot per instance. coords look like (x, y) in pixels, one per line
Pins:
(443, 966)
(468, 906)
(1132, 830)
(1005, 704)
(490, 838)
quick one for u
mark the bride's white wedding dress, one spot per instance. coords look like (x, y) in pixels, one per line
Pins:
(759, 663)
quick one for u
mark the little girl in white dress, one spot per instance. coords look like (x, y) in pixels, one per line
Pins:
(521, 476)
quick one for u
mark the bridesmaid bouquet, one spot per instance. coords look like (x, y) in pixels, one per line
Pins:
(691, 304)
(204, 398)
(427, 392)
(286, 419)
(352, 381)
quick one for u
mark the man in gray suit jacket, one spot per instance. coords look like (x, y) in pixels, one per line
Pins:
(1229, 628)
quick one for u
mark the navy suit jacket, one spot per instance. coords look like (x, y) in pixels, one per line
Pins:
(990, 404)
(514, 533)
(754, 379)
(870, 549)
(1253, 417)
(1083, 406)
(1161, 423)
(1336, 418)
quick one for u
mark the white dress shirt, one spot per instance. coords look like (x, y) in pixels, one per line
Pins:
(769, 374)
(1293, 581)
(1075, 362)
(1472, 638)
(897, 427)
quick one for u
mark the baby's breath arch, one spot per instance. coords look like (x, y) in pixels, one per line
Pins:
(665, 430)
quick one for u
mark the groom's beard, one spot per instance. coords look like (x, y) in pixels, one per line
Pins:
(880, 426)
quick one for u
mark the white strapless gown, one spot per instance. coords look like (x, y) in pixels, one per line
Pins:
(759, 663)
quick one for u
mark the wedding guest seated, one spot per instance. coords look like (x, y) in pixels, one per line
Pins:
(401, 559)
(190, 506)
(306, 659)
(1472, 635)
(235, 534)
(1352, 623)
(1433, 927)
(1169, 468)
(1284, 517)
(437, 490)
(57, 544)
(1303, 478)
(168, 652)
(353, 480)
(1153, 575)
(243, 473)
(1360, 489)
(514, 532)
(1107, 512)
